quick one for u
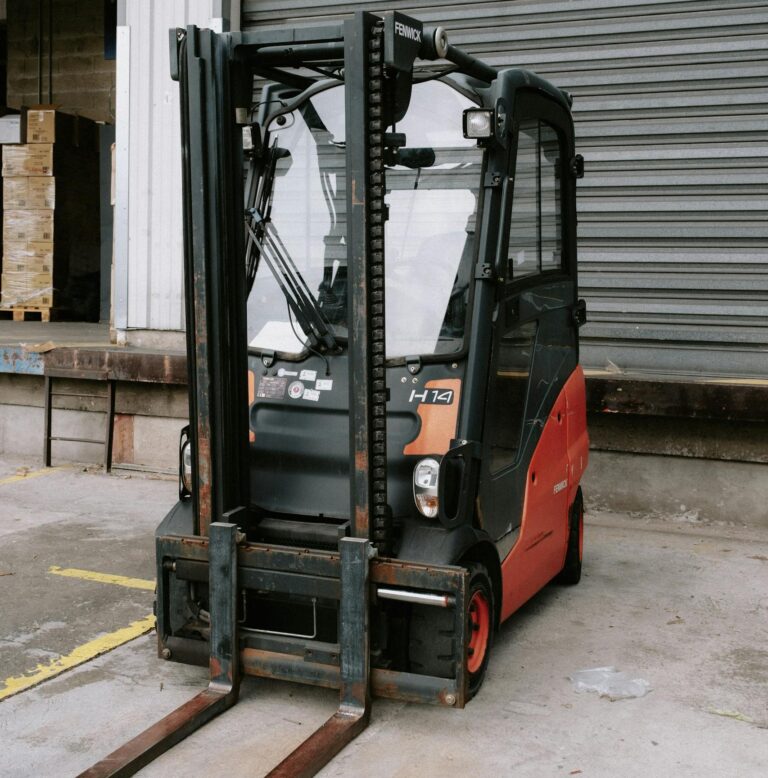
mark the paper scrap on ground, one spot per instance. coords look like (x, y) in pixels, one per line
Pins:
(609, 682)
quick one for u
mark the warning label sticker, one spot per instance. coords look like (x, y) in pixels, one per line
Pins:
(311, 394)
(295, 390)
(272, 387)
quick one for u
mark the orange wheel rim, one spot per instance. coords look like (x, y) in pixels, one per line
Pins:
(479, 624)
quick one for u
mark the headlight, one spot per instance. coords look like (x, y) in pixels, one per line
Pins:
(185, 471)
(425, 476)
(478, 123)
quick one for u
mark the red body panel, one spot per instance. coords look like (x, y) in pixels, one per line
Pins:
(556, 467)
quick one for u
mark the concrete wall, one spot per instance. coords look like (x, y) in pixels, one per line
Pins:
(83, 81)
(681, 490)
(148, 419)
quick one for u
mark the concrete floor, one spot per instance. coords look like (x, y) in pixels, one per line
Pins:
(683, 606)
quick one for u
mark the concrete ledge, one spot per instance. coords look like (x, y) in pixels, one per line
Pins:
(678, 489)
(681, 396)
(119, 364)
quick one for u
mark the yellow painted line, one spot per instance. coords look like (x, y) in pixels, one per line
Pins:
(81, 654)
(90, 575)
(11, 479)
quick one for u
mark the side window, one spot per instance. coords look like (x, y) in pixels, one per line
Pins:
(507, 397)
(535, 235)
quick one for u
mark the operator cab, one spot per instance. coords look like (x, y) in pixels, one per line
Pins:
(436, 181)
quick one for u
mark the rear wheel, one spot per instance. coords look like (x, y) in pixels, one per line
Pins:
(571, 572)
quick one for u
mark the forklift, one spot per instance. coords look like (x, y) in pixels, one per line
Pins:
(388, 417)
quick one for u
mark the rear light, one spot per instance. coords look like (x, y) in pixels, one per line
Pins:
(425, 477)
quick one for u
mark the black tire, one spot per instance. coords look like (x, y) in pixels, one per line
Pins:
(570, 575)
(480, 589)
(432, 643)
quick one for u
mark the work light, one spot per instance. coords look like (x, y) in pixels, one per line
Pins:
(186, 465)
(478, 123)
(425, 476)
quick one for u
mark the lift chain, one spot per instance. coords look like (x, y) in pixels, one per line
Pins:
(381, 524)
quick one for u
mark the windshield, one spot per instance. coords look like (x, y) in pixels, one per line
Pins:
(429, 236)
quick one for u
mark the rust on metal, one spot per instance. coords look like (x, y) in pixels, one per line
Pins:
(157, 739)
(286, 667)
(355, 198)
(204, 501)
(118, 364)
(214, 666)
(317, 750)
(251, 398)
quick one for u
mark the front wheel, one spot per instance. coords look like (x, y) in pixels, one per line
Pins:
(479, 621)
(571, 572)
(432, 645)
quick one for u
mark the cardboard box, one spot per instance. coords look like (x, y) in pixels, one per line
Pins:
(28, 159)
(11, 129)
(28, 226)
(41, 125)
(23, 289)
(37, 282)
(29, 301)
(29, 192)
(29, 257)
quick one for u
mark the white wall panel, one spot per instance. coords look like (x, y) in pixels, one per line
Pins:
(148, 251)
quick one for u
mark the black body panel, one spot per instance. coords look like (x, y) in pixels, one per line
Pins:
(300, 455)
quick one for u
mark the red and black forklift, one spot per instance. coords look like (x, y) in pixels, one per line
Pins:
(388, 422)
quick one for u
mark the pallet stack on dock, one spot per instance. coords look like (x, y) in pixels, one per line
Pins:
(51, 221)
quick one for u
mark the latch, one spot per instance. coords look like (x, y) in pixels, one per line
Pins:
(413, 364)
(579, 313)
(483, 271)
(577, 166)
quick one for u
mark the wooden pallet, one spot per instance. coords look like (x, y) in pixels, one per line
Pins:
(20, 314)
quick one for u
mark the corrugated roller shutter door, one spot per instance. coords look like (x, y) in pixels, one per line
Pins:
(671, 109)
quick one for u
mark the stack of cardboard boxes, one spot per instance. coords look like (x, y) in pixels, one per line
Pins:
(29, 199)
(51, 215)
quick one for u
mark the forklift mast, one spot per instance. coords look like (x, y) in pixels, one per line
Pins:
(204, 544)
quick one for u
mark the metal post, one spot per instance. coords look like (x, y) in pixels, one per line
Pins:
(354, 628)
(110, 425)
(40, 52)
(222, 574)
(356, 37)
(366, 214)
(214, 278)
(50, 52)
(47, 421)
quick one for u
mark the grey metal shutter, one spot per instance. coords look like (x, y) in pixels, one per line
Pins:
(671, 109)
